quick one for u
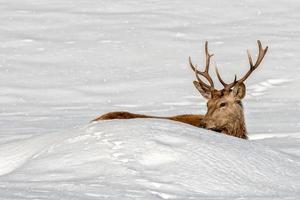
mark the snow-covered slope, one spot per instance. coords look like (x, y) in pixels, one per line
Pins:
(63, 62)
(144, 159)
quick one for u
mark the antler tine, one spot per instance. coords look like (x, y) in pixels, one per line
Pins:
(226, 86)
(219, 77)
(194, 68)
(207, 62)
(205, 73)
(261, 54)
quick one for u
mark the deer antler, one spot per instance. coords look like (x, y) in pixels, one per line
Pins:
(205, 73)
(261, 53)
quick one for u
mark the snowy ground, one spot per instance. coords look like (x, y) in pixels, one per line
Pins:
(64, 62)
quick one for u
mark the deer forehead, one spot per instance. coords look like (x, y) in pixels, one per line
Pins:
(222, 96)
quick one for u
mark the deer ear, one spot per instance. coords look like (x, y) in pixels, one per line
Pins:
(239, 91)
(206, 94)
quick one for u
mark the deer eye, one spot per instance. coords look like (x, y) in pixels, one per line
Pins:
(223, 104)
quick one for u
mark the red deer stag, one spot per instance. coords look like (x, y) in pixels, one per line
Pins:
(225, 112)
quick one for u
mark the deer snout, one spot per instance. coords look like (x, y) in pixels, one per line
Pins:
(209, 125)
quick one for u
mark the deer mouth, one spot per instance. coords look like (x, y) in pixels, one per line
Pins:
(216, 130)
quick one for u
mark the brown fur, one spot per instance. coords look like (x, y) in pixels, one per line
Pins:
(228, 120)
(225, 112)
(194, 120)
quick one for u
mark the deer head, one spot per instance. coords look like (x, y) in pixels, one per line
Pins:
(224, 107)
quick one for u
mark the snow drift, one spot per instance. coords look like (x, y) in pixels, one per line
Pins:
(63, 62)
(146, 159)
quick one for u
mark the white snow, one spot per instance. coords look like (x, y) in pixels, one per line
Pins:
(146, 159)
(63, 62)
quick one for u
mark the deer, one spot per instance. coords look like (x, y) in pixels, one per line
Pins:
(225, 112)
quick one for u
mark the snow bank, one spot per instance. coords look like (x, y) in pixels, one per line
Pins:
(146, 159)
